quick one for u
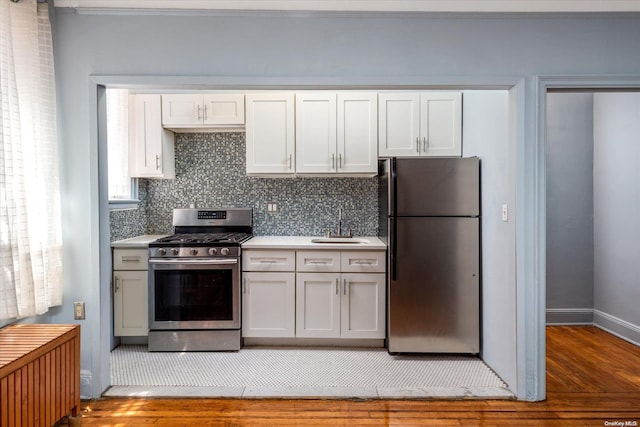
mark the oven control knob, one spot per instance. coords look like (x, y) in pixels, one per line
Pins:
(162, 251)
(174, 251)
(193, 251)
(213, 251)
(224, 251)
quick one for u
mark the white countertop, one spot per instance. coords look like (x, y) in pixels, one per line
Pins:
(137, 242)
(304, 242)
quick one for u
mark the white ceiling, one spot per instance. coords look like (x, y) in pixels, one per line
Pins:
(517, 6)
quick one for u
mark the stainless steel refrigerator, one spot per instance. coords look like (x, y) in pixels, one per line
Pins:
(430, 220)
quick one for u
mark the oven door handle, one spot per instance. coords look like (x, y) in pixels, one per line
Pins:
(194, 261)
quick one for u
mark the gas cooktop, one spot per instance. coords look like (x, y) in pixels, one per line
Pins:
(202, 239)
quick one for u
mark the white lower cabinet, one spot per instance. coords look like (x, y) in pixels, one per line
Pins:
(324, 294)
(130, 293)
(268, 304)
(318, 305)
(331, 305)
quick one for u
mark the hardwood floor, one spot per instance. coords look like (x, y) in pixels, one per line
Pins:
(593, 379)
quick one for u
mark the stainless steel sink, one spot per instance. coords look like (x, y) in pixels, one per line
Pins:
(350, 240)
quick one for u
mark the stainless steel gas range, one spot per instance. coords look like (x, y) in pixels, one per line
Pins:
(194, 281)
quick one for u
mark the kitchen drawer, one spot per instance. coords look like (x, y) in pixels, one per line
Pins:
(318, 261)
(363, 261)
(130, 259)
(268, 260)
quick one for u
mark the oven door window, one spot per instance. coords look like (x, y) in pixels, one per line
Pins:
(193, 295)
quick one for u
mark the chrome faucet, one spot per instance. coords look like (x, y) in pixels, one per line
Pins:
(328, 233)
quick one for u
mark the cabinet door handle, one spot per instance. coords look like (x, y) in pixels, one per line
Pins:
(157, 162)
(205, 112)
(426, 144)
(417, 144)
(333, 161)
(345, 286)
(337, 287)
(244, 285)
(116, 287)
(340, 161)
(289, 161)
(199, 117)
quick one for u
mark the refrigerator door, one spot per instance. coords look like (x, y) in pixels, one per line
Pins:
(434, 299)
(436, 187)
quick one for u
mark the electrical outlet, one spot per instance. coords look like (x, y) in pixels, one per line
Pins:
(505, 212)
(272, 207)
(78, 310)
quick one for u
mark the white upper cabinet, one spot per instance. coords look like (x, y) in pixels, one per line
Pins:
(336, 133)
(270, 133)
(358, 132)
(151, 146)
(193, 111)
(420, 124)
(316, 132)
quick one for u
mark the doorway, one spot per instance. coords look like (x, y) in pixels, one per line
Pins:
(592, 150)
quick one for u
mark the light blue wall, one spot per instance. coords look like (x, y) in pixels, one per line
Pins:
(616, 216)
(289, 49)
(569, 161)
(487, 134)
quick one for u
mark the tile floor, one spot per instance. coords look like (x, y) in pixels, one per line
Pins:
(300, 373)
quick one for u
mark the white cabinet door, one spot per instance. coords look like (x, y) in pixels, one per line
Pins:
(357, 132)
(316, 132)
(270, 133)
(152, 146)
(198, 111)
(363, 306)
(182, 110)
(441, 124)
(318, 305)
(399, 124)
(223, 109)
(268, 305)
(130, 303)
(420, 124)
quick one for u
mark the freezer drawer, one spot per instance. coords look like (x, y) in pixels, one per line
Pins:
(434, 301)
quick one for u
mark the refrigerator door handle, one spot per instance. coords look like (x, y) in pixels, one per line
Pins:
(394, 219)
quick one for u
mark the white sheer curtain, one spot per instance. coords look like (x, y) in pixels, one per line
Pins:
(30, 224)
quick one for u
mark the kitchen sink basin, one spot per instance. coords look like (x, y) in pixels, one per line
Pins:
(351, 240)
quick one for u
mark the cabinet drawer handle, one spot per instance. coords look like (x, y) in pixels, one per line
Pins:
(318, 261)
(363, 262)
(267, 261)
(130, 259)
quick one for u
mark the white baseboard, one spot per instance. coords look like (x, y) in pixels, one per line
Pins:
(589, 316)
(616, 326)
(569, 316)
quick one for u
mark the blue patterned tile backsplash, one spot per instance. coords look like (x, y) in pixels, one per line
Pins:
(210, 172)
